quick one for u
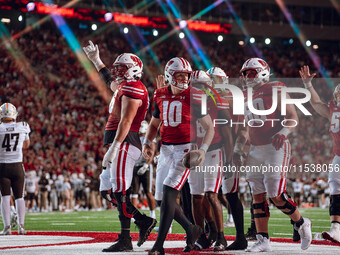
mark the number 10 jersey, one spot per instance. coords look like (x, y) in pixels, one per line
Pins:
(178, 114)
(12, 137)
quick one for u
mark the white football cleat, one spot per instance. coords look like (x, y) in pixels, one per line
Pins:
(305, 232)
(262, 245)
(14, 220)
(228, 224)
(6, 231)
(334, 234)
(22, 230)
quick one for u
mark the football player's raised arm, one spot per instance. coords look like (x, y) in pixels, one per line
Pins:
(208, 126)
(318, 105)
(127, 114)
(227, 135)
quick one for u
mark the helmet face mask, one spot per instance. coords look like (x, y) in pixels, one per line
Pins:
(8, 112)
(254, 71)
(127, 66)
(218, 77)
(173, 69)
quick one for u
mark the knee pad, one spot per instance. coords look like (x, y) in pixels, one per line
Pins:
(334, 208)
(124, 204)
(289, 204)
(265, 208)
(109, 196)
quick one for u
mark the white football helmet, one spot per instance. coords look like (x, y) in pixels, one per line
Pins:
(198, 78)
(336, 95)
(218, 76)
(262, 72)
(8, 112)
(177, 65)
(133, 67)
(143, 127)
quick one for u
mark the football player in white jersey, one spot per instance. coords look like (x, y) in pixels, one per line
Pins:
(14, 136)
(330, 111)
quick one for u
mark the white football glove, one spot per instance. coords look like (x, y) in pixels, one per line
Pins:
(111, 154)
(155, 159)
(143, 169)
(92, 52)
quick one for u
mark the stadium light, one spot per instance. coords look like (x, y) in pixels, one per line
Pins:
(308, 43)
(241, 43)
(315, 46)
(20, 18)
(291, 41)
(267, 41)
(94, 27)
(155, 32)
(181, 35)
(108, 16)
(5, 20)
(252, 40)
(220, 38)
(125, 30)
(182, 24)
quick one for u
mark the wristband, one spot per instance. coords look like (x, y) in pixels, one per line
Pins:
(284, 131)
(204, 147)
(308, 85)
(146, 141)
(116, 144)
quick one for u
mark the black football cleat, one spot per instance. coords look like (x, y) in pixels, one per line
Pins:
(202, 243)
(145, 226)
(221, 244)
(251, 234)
(296, 235)
(122, 244)
(238, 244)
(192, 235)
(156, 251)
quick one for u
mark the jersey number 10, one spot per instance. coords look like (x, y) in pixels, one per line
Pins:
(172, 113)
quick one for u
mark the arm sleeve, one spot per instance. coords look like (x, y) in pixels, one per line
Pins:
(156, 112)
(106, 75)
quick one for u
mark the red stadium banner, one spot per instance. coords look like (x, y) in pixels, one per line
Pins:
(121, 18)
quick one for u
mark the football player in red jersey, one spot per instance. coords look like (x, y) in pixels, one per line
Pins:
(331, 111)
(175, 113)
(127, 110)
(207, 180)
(269, 148)
(230, 180)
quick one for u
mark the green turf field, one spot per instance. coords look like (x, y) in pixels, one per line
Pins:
(107, 221)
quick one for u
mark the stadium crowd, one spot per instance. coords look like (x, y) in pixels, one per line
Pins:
(67, 115)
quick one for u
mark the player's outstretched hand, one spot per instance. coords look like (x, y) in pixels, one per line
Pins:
(92, 52)
(306, 76)
(160, 80)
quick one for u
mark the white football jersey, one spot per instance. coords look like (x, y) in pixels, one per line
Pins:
(12, 137)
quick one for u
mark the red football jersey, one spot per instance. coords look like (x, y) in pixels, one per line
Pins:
(335, 126)
(214, 112)
(265, 128)
(178, 114)
(134, 89)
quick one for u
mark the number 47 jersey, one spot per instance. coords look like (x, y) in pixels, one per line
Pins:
(178, 114)
(12, 137)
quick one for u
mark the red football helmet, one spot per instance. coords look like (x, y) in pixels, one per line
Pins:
(127, 66)
(260, 74)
